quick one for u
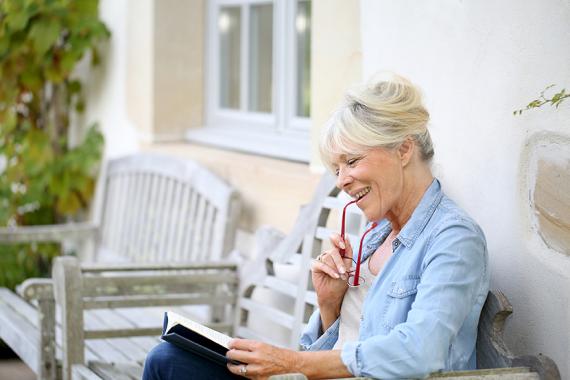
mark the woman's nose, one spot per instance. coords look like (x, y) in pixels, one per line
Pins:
(343, 178)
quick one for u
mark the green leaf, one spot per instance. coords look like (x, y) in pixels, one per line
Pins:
(74, 87)
(16, 21)
(32, 79)
(80, 106)
(9, 123)
(44, 35)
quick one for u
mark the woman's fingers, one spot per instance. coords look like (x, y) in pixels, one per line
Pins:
(242, 344)
(325, 265)
(337, 262)
(242, 356)
(344, 244)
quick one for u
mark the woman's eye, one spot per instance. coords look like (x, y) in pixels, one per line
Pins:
(336, 172)
(352, 161)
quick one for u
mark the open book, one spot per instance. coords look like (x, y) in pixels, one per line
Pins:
(196, 338)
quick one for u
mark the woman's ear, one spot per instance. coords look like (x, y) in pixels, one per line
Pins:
(406, 151)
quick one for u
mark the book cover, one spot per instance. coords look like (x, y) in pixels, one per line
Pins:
(195, 337)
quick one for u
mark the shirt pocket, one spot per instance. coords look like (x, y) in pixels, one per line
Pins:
(401, 296)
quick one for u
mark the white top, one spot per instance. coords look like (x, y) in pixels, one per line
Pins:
(351, 309)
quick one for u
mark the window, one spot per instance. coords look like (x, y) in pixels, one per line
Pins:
(258, 77)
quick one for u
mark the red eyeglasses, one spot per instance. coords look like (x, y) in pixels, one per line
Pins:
(354, 278)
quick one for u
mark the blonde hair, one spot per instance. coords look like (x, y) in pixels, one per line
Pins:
(382, 113)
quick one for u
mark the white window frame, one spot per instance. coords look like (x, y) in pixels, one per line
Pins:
(279, 134)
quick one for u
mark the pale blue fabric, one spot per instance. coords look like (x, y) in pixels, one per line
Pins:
(421, 313)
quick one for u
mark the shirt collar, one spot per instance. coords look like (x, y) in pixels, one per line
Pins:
(421, 215)
(415, 225)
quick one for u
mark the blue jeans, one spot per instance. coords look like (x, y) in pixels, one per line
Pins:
(166, 361)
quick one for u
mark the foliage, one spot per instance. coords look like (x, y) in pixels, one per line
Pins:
(554, 100)
(21, 261)
(43, 179)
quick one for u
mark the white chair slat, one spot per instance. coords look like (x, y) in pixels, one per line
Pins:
(112, 216)
(181, 220)
(198, 234)
(139, 218)
(170, 235)
(131, 212)
(152, 216)
(126, 211)
(207, 232)
(190, 224)
(162, 204)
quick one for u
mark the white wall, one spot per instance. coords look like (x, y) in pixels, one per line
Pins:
(477, 61)
(106, 84)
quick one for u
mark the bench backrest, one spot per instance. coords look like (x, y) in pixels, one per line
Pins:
(154, 208)
(275, 304)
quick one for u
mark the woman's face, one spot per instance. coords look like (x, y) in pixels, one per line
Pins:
(375, 178)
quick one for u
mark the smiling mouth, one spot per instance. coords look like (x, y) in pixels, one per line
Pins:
(358, 196)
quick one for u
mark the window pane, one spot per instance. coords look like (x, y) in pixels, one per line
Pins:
(229, 26)
(303, 39)
(260, 58)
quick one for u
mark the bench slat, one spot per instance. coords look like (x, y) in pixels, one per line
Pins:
(158, 300)
(271, 313)
(17, 331)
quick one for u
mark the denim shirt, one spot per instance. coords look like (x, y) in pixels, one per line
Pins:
(422, 311)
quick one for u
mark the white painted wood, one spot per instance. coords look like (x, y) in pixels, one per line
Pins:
(81, 372)
(68, 295)
(123, 353)
(143, 204)
(110, 331)
(26, 346)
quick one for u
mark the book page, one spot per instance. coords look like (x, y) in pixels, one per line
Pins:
(216, 336)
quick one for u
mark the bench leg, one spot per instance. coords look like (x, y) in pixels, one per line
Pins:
(48, 366)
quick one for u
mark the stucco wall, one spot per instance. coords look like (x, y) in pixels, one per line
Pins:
(477, 61)
(106, 85)
(336, 61)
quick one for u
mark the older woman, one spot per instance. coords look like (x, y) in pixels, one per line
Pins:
(424, 275)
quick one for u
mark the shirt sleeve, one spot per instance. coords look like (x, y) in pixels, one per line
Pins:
(310, 339)
(453, 279)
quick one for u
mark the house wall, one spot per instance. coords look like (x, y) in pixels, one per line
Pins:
(106, 85)
(477, 62)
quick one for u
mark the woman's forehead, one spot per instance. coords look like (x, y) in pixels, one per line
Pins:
(341, 157)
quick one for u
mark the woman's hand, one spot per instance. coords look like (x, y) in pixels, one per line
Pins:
(329, 273)
(260, 360)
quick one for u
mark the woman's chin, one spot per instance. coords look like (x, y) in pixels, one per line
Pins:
(371, 215)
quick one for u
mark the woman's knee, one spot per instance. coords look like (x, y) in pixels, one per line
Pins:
(158, 359)
(166, 361)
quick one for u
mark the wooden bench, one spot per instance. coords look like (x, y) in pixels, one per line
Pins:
(272, 300)
(148, 209)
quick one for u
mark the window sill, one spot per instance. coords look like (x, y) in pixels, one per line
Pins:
(293, 146)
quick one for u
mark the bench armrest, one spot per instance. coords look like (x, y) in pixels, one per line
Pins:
(48, 233)
(36, 289)
(156, 267)
(517, 373)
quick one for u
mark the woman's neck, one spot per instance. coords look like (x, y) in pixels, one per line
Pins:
(412, 194)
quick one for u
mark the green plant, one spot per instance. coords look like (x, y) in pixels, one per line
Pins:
(554, 100)
(43, 179)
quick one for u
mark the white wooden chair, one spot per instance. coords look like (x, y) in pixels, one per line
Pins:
(148, 209)
(275, 299)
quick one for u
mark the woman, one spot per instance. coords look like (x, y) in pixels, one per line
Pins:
(424, 263)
